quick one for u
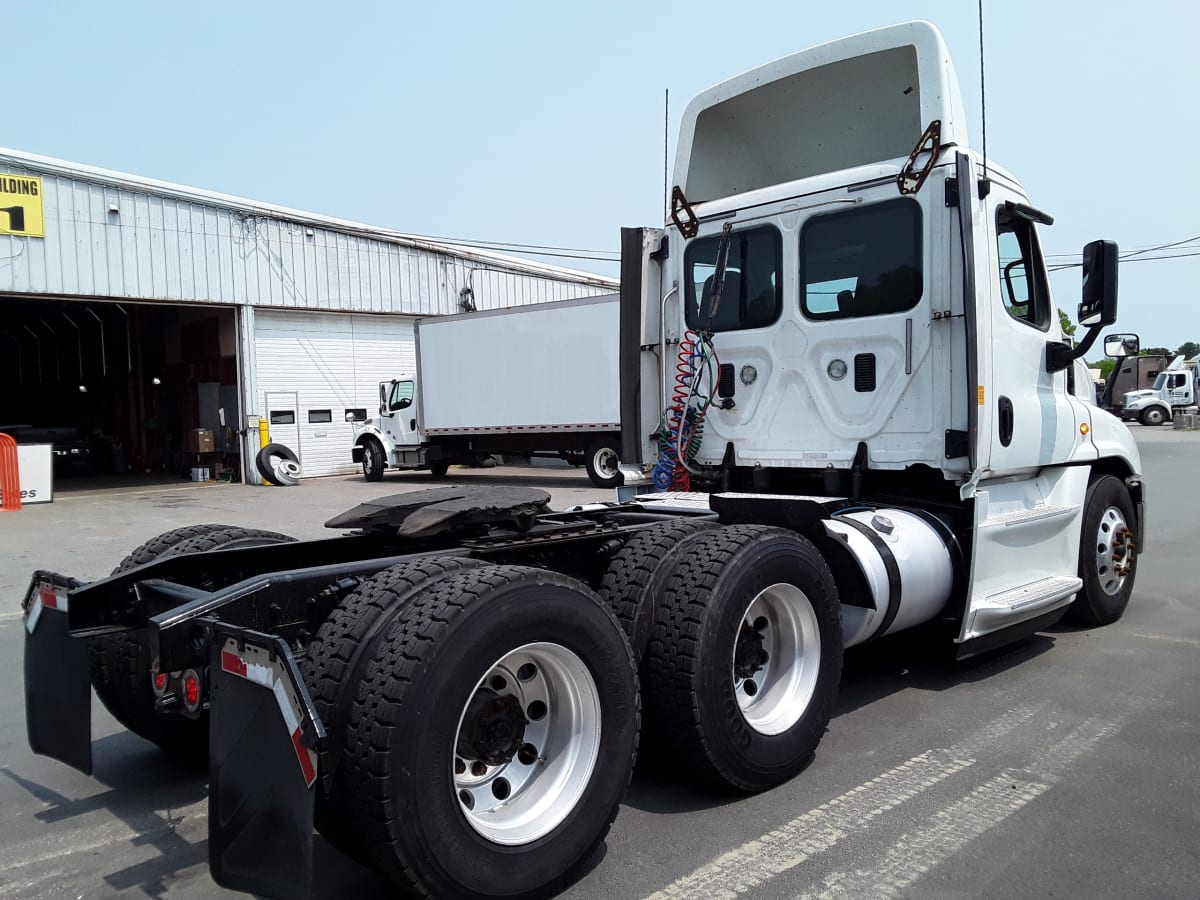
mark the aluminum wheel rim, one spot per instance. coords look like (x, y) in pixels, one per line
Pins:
(775, 696)
(607, 462)
(368, 458)
(527, 797)
(1114, 550)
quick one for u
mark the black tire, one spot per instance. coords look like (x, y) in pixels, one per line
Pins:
(1153, 416)
(405, 729)
(691, 698)
(372, 459)
(120, 663)
(603, 456)
(337, 659)
(1105, 593)
(276, 474)
(637, 575)
(439, 467)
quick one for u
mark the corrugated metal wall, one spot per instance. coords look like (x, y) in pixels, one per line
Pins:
(110, 235)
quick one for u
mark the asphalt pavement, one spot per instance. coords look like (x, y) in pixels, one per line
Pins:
(1064, 766)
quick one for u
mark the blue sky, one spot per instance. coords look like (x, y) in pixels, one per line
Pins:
(542, 123)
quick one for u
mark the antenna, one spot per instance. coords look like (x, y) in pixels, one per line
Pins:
(666, 139)
(982, 90)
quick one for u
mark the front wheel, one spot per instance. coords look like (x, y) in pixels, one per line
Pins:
(372, 460)
(1153, 416)
(603, 460)
(1107, 554)
(496, 735)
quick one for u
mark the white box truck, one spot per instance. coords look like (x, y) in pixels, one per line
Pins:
(527, 380)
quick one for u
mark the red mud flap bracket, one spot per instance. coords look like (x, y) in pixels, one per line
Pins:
(263, 737)
(58, 690)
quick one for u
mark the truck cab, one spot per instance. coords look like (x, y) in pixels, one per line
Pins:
(849, 301)
(393, 438)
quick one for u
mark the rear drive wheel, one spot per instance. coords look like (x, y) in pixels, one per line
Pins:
(745, 657)
(120, 664)
(497, 735)
(338, 657)
(1153, 416)
(439, 467)
(1107, 553)
(636, 576)
(603, 459)
(372, 460)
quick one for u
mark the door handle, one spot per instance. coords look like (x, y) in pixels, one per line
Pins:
(1006, 421)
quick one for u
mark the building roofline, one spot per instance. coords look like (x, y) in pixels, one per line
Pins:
(140, 184)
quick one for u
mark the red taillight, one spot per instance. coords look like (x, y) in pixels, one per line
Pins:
(191, 689)
(160, 682)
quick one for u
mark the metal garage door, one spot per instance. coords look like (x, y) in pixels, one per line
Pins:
(330, 362)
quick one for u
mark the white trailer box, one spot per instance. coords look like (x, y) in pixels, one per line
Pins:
(549, 367)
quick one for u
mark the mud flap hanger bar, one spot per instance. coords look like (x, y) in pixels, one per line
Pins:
(264, 734)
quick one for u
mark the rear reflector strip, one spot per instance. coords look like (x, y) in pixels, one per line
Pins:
(45, 597)
(265, 676)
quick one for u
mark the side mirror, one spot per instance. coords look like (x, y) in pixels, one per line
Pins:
(1099, 304)
(350, 417)
(1117, 346)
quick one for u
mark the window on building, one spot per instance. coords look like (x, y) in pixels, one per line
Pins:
(283, 417)
(861, 262)
(319, 416)
(356, 414)
(752, 295)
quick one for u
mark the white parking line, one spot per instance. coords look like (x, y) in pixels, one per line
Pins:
(822, 828)
(963, 821)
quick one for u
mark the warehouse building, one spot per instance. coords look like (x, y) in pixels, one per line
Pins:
(135, 311)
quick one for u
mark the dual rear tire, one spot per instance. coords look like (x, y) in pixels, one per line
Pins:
(490, 735)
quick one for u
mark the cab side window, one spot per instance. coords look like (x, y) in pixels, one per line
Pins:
(401, 396)
(1023, 286)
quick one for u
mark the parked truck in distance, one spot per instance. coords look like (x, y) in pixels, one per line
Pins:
(847, 409)
(1132, 372)
(532, 380)
(1173, 391)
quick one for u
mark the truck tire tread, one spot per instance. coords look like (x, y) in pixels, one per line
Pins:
(337, 659)
(632, 584)
(422, 629)
(678, 718)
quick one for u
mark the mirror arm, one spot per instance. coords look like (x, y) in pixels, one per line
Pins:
(1060, 355)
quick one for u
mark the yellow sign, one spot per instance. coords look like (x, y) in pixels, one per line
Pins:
(981, 395)
(21, 205)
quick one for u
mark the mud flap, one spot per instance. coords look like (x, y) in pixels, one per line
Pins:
(263, 737)
(58, 689)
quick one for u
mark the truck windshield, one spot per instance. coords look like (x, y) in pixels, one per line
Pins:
(1161, 381)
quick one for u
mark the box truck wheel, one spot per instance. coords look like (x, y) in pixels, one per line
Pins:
(335, 663)
(636, 576)
(372, 459)
(1107, 553)
(121, 664)
(439, 467)
(496, 735)
(745, 657)
(603, 457)
(1154, 415)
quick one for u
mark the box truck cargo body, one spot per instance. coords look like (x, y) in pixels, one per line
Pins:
(529, 380)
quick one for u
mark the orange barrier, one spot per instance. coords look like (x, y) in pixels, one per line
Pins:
(10, 480)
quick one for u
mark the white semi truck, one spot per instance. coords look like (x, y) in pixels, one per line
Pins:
(1173, 391)
(846, 410)
(527, 380)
